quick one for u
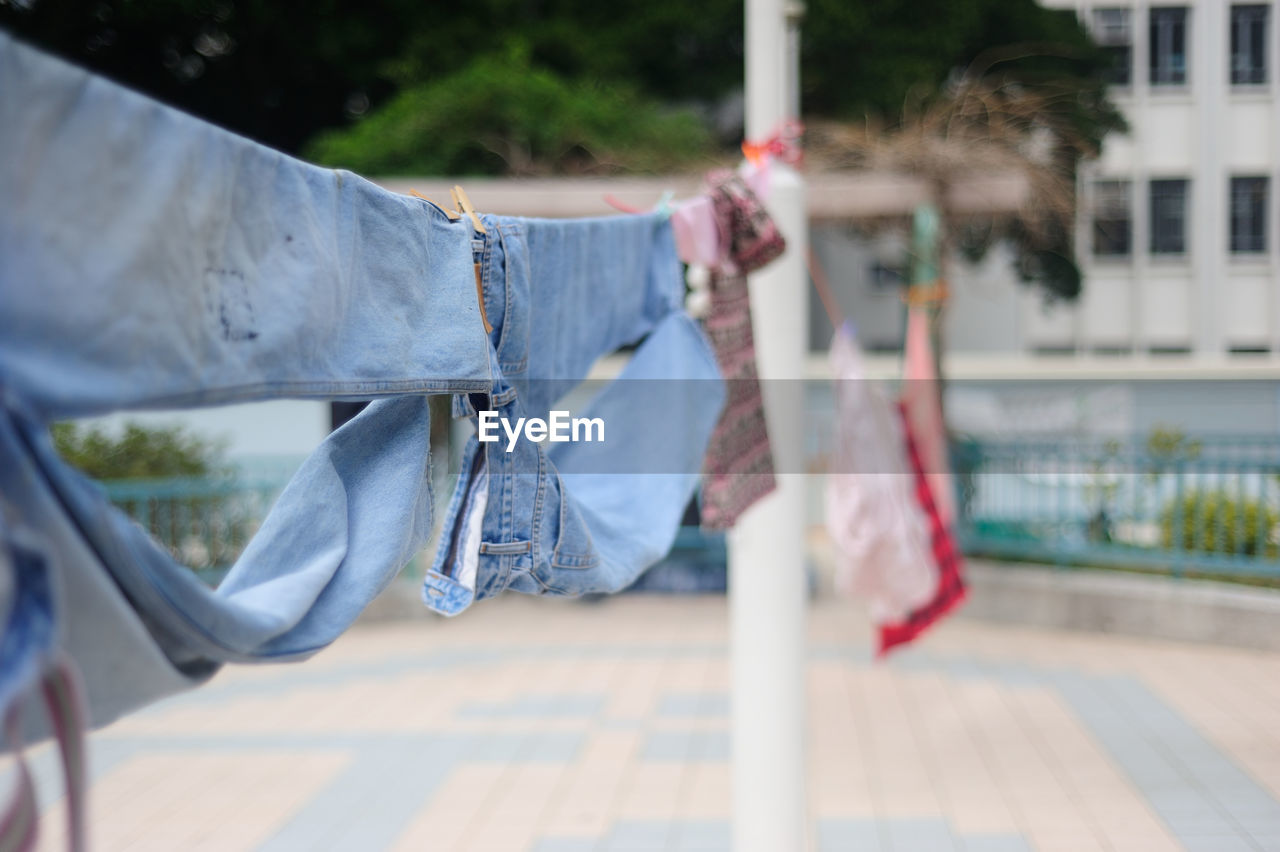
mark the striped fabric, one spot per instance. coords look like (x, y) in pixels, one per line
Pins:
(739, 464)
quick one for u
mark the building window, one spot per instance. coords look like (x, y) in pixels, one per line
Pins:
(1248, 45)
(1112, 31)
(1169, 46)
(1168, 216)
(1248, 215)
(1112, 220)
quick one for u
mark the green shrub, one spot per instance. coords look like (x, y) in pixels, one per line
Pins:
(502, 115)
(138, 452)
(1213, 521)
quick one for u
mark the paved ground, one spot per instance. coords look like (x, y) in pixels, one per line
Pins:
(552, 726)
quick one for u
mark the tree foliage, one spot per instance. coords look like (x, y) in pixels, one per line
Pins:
(138, 452)
(502, 115)
(273, 70)
(281, 72)
(976, 127)
(578, 86)
(671, 51)
(863, 59)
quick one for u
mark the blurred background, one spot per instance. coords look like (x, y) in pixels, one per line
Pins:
(1108, 351)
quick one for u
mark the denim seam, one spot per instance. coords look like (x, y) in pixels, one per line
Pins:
(523, 364)
(486, 255)
(440, 563)
(441, 217)
(560, 559)
(486, 284)
(539, 512)
(506, 526)
(542, 584)
(321, 390)
(574, 563)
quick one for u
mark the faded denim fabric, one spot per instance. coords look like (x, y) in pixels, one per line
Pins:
(148, 259)
(580, 517)
(177, 264)
(26, 610)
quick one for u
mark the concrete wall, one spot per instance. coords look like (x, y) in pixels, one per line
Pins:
(1132, 604)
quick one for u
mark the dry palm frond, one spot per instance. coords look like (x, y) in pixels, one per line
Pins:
(974, 128)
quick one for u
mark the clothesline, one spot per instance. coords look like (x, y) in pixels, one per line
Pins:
(328, 286)
(151, 260)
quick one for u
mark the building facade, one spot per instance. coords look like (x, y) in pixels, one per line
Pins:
(1178, 232)
(1179, 223)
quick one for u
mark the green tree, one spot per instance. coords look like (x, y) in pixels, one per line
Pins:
(501, 115)
(138, 452)
(671, 51)
(863, 59)
(280, 72)
(273, 70)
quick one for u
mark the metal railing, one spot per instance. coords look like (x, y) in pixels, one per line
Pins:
(1210, 505)
(1204, 506)
(204, 522)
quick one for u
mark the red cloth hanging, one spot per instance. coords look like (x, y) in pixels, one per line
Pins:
(950, 591)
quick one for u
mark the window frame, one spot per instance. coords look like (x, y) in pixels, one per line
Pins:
(1261, 18)
(1164, 76)
(1154, 242)
(1120, 198)
(1256, 242)
(1116, 39)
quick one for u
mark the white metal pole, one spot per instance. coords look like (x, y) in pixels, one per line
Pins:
(767, 582)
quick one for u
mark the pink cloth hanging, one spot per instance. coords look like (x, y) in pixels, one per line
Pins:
(924, 414)
(879, 530)
(696, 231)
(893, 545)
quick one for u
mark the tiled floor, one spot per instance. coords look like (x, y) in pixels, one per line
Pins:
(553, 726)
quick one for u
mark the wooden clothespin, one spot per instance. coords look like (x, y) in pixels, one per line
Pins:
(460, 200)
(452, 214)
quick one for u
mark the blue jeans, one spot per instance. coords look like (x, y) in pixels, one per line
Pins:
(147, 260)
(578, 517)
(26, 610)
